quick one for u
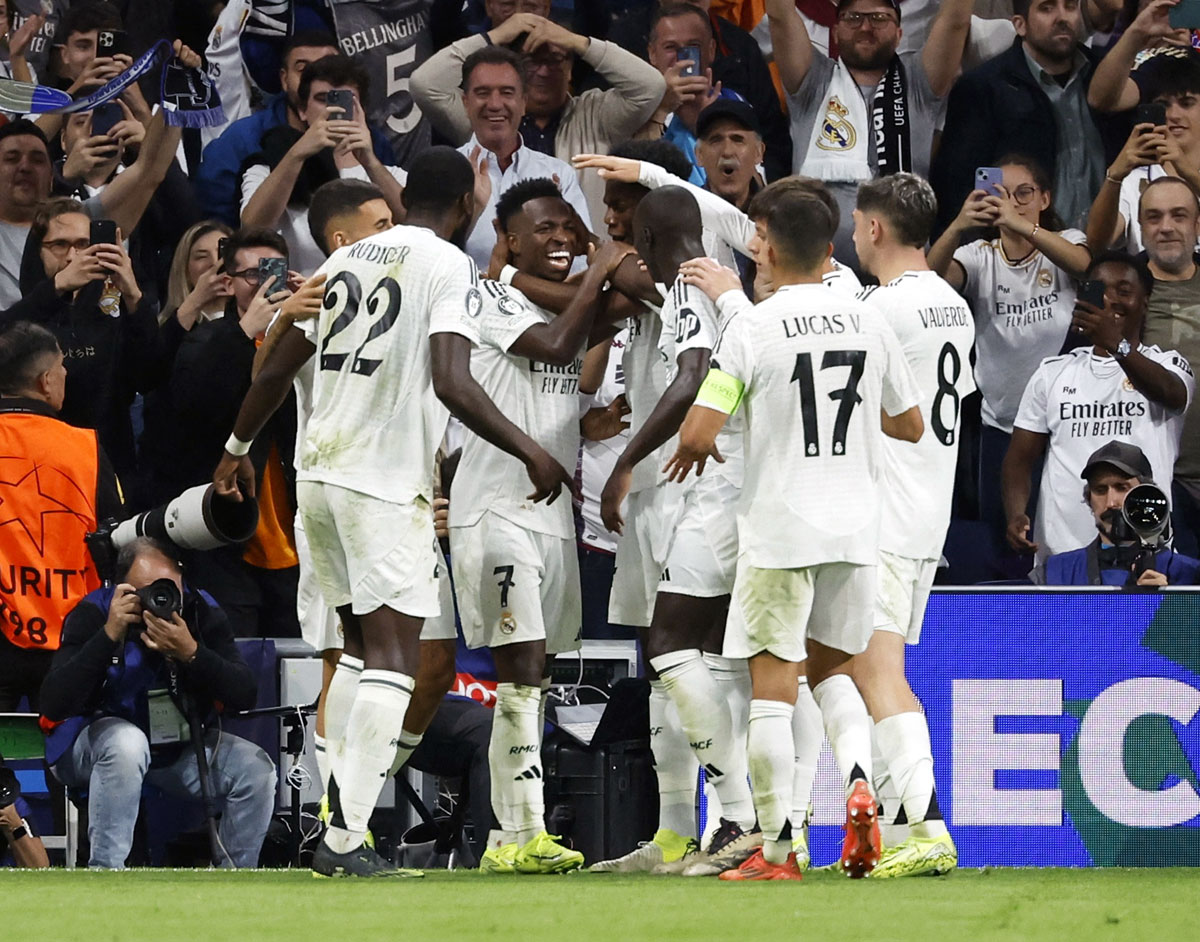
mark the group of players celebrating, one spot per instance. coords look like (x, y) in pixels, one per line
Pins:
(781, 502)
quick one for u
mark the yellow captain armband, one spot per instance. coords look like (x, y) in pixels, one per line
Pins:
(720, 391)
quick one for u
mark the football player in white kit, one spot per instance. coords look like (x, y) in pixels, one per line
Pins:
(815, 372)
(394, 341)
(892, 223)
(701, 542)
(515, 563)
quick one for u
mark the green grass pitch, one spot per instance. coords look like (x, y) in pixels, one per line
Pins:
(291, 906)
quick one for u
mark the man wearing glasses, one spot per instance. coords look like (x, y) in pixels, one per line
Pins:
(872, 111)
(555, 122)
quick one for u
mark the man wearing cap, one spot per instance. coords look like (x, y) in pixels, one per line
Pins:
(730, 149)
(1112, 471)
(872, 111)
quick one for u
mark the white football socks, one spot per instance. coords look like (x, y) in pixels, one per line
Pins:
(886, 796)
(373, 729)
(674, 765)
(404, 750)
(903, 740)
(771, 759)
(339, 700)
(847, 726)
(808, 733)
(708, 726)
(322, 758)
(515, 761)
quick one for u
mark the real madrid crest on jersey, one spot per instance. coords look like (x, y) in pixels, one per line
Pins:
(1127, 384)
(474, 302)
(1044, 278)
(836, 132)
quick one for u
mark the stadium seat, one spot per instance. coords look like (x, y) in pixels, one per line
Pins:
(23, 746)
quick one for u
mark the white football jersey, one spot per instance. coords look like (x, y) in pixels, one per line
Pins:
(1023, 311)
(375, 422)
(690, 321)
(597, 459)
(645, 373)
(1082, 401)
(540, 399)
(842, 279)
(936, 331)
(817, 368)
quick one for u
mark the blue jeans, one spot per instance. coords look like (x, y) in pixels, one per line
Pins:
(111, 759)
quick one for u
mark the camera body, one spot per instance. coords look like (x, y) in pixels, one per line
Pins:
(161, 598)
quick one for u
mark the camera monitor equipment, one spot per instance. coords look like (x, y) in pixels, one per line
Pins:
(1147, 513)
(198, 519)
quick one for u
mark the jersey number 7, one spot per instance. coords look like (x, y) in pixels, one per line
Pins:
(847, 397)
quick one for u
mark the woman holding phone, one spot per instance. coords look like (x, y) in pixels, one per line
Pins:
(1020, 280)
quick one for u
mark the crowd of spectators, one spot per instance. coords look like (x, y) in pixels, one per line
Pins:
(1083, 117)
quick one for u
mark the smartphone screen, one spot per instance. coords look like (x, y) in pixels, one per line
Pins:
(690, 55)
(273, 270)
(102, 232)
(989, 179)
(1092, 292)
(341, 98)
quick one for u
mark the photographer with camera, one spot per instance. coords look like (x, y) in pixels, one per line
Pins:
(1131, 548)
(140, 663)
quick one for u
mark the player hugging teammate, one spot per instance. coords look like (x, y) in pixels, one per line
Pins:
(781, 502)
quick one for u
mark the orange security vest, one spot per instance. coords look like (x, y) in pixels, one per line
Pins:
(48, 478)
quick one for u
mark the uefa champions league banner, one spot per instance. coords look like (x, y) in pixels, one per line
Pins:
(1065, 728)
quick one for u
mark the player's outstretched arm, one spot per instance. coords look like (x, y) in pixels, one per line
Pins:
(660, 425)
(1015, 475)
(463, 396)
(266, 394)
(560, 341)
(908, 426)
(697, 442)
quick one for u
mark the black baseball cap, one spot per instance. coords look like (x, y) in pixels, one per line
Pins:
(1124, 457)
(894, 4)
(732, 108)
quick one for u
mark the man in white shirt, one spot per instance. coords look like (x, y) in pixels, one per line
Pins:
(892, 225)
(277, 189)
(394, 340)
(815, 372)
(1117, 388)
(515, 565)
(494, 99)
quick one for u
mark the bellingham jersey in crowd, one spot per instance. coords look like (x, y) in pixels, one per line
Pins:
(817, 368)
(375, 422)
(1023, 311)
(1082, 401)
(936, 331)
(645, 381)
(690, 321)
(540, 399)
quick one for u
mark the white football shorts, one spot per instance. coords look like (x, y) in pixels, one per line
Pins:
(778, 610)
(904, 585)
(319, 624)
(515, 585)
(650, 517)
(703, 549)
(369, 553)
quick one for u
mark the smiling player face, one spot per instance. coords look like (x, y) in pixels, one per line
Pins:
(543, 238)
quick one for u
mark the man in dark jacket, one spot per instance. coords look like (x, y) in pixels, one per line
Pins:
(88, 297)
(116, 697)
(1030, 100)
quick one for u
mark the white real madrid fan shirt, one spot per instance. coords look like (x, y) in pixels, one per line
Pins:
(1082, 401)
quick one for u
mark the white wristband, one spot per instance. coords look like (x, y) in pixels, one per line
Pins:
(507, 273)
(236, 447)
